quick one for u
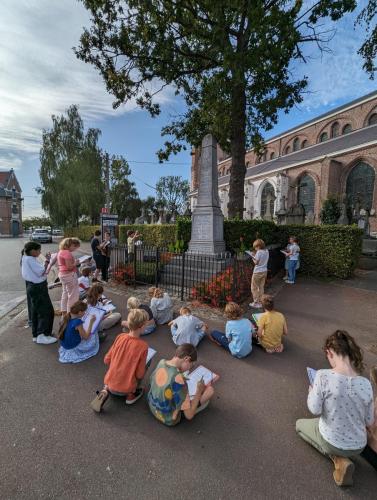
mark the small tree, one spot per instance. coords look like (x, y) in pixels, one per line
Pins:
(330, 211)
(172, 193)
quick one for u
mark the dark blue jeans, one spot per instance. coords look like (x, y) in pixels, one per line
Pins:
(292, 264)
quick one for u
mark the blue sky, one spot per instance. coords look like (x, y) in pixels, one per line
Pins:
(40, 76)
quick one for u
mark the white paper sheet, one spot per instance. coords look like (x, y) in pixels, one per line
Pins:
(98, 313)
(311, 374)
(194, 377)
(151, 353)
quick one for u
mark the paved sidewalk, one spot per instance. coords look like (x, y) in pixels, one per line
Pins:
(243, 447)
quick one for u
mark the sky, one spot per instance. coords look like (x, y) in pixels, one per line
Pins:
(40, 76)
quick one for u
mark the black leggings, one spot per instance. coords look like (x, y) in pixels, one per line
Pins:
(42, 310)
(370, 456)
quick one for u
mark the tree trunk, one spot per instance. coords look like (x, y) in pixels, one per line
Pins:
(238, 151)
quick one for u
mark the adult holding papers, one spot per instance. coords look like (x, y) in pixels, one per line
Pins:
(260, 258)
(78, 337)
(105, 248)
(169, 396)
(343, 401)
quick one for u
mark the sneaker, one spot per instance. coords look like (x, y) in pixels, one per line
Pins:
(34, 339)
(99, 400)
(251, 304)
(44, 339)
(343, 472)
(27, 325)
(290, 282)
(132, 398)
(257, 305)
(201, 407)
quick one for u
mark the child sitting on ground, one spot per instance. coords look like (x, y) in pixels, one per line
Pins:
(84, 282)
(187, 329)
(370, 451)
(94, 299)
(271, 327)
(127, 363)
(161, 305)
(77, 343)
(168, 395)
(238, 332)
(135, 303)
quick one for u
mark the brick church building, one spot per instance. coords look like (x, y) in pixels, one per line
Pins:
(10, 204)
(334, 154)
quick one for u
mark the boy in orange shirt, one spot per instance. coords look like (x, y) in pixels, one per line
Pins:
(127, 363)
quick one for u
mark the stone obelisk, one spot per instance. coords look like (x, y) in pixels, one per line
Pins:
(207, 229)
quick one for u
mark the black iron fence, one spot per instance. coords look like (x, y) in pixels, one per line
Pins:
(190, 276)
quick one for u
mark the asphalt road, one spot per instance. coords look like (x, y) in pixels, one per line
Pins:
(243, 447)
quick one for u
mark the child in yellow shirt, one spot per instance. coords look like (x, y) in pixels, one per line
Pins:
(271, 327)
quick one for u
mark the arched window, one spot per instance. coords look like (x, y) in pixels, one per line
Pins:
(323, 137)
(272, 155)
(335, 129)
(304, 144)
(296, 144)
(228, 171)
(306, 193)
(360, 186)
(347, 129)
(372, 119)
(287, 150)
(267, 201)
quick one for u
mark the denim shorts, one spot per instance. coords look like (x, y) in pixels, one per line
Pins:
(221, 339)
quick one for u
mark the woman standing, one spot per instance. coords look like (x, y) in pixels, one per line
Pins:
(105, 248)
(343, 400)
(41, 308)
(260, 258)
(68, 273)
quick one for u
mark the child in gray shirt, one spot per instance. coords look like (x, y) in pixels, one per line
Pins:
(187, 329)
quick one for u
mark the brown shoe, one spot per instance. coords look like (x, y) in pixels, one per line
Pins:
(343, 472)
(99, 400)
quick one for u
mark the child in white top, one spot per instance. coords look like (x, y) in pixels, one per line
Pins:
(84, 281)
(187, 329)
(343, 400)
(260, 258)
(161, 305)
(293, 256)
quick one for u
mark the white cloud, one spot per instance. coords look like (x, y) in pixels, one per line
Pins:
(40, 74)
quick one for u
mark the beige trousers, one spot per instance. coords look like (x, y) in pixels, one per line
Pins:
(109, 322)
(70, 290)
(258, 281)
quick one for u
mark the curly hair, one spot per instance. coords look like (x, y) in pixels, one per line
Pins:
(344, 345)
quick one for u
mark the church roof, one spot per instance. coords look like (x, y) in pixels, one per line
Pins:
(331, 147)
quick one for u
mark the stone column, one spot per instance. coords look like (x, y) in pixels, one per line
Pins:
(207, 230)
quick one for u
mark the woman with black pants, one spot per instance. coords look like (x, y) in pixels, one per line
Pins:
(42, 310)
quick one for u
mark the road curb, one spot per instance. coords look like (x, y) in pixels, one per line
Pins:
(11, 305)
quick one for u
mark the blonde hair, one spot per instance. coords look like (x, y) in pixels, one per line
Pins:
(137, 318)
(133, 303)
(158, 293)
(233, 311)
(68, 242)
(259, 244)
(151, 291)
(184, 310)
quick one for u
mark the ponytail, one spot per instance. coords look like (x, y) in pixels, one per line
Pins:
(77, 307)
(344, 345)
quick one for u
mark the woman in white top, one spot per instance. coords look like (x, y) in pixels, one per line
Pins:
(258, 280)
(343, 400)
(42, 310)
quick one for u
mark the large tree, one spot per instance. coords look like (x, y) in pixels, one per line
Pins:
(71, 170)
(230, 60)
(368, 50)
(124, 198)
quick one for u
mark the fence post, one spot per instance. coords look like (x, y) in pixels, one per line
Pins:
(183, 276)
(156, 278)
(134, 264)
(234, 284)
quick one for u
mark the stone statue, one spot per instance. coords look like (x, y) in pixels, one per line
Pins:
(343, 218)
(309, 217)
(270, 199)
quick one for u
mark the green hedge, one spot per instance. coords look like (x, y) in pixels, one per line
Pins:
(327, 250)
(82, 232)
(152, 234)
(237, 233)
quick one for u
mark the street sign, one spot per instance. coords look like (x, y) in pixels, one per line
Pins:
(109, 223)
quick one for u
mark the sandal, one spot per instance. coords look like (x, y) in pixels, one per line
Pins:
(99, 400)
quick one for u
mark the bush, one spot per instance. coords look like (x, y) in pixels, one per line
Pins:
(160, 235)
(328, 250)
(83, 233)
(238, 234)
(330, 212)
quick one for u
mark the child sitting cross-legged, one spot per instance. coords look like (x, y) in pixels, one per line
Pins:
(271, 327)
(168, 396)
(135, 303)
(161, 305)
(238, 332)
(187, 329)
(84, 281)
(127, 363)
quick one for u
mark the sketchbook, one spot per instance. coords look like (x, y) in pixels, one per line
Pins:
(151, 353)
(108, 307)
(98, 313)
(284, 252)
(311, 374)
(84, 258)
(250, 254)
(201, 372)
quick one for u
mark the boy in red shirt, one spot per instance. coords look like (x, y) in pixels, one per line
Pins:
(127, 363)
